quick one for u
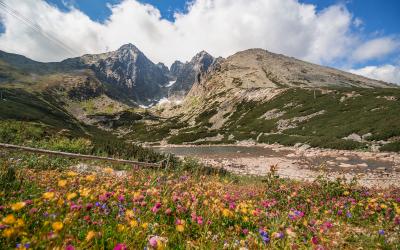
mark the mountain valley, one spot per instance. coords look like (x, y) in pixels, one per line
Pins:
(253, 96)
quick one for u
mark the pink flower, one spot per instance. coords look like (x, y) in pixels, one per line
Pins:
(89, 206)
(28, 202)
(199, 220)
(33, 210)
(153, 242)
(86, 218)
(156, 207)
(194, 216)
(69, 247)
(121, 198)
(102, 197)
(120, 246)
(168, 211)
(314, 240)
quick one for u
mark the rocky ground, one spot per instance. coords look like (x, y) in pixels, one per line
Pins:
(303, 163)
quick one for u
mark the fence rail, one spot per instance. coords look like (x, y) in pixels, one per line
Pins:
(80, 156)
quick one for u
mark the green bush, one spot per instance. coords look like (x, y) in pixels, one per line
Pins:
(16, 132)
(74, 145)
(391, 147)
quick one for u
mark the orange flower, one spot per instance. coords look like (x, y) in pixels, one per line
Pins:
(8, 232)
(18, 206)
(90, 235)
(9, 219)
(57, 226)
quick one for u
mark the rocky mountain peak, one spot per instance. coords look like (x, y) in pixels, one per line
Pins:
(129, 47)
(189, 73)
(176, 68)
(202, 58)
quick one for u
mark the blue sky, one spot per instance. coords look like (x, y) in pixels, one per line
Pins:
(377, 15)
(361, 36)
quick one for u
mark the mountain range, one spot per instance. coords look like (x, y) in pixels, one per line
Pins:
(252, 95)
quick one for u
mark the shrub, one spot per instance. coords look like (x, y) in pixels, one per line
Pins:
(391, 147)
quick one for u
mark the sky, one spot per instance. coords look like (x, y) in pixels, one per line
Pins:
(359, 36)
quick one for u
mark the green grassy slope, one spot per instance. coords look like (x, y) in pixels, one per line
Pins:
(365, 111)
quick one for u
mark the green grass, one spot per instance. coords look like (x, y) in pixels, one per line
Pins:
(18, 104)
(392, 147)
(361, 114)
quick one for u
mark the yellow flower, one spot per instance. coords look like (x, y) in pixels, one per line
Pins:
(145, 225)
(120, 228)
(48, 195)
(20, 223)
(90, 235)
(133, 223)
(129, 214)
(108, 170)
(346, 193)
(72, 174)
(60, 202)
(57, 226)
(84, 192)
(136, 195)
(62, 183)
(226, 212)
(180, 228)
(383, 206)
(9, 219)
(91, 177)
(71, 196)
(8, 232)
(18, 206)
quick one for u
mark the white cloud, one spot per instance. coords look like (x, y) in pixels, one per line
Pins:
(376, 48)
(387, 73)
(221, 27)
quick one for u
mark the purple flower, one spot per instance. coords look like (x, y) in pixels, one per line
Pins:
(264, 236)
(381, 232)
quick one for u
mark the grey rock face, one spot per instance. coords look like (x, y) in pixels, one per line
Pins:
(165, 71)
(176, 68)
(189, 73)
(127, 72)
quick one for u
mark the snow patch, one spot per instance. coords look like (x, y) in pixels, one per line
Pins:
(167, 101)
(170, 84)
(163, 101)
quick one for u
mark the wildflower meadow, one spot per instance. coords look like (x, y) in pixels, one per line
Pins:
(150, 209)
